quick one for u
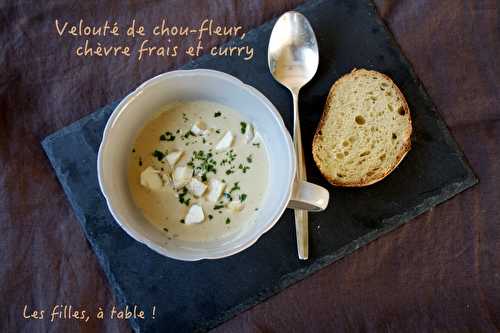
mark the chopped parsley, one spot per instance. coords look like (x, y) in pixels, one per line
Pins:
(159, 155)
(140, 161)
(249, 158)
(228, 196)
(165, 229)
(243, 127)
(167, 137)
(182, 197)
(256, 144)
(188, 134)
(210, 216)
(228, 220)
(217, 131)
(184, 117)
(243, 168)
(243, 197)
(217, 114)
(235, 187)
(231, 156)
(216, 207)
(229, 171)
(203, 162)
(182, 221)
(133, 150)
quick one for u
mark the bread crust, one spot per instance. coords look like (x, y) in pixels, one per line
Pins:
(367, 180)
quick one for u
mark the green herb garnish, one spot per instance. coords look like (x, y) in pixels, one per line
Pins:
(167, 137)
(203, 163)
(249, 158)
(182, 221)
(228, 220)
(217, 114)
(159, 155)
(182, 197)
(235, 187)
(140, 161)
(188, 134)
(256, 144)
(243, 127)
(216, 207)
(231, 156)
(210, 216)
(243, 197)
(243, 168)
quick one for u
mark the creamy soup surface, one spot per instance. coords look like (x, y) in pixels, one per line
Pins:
(198, 171)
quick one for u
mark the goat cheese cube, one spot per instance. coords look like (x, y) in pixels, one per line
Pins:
(173, 157)
(195, 215)
(196, 187)
(151, 179)
(225, 142)
(182, 176)
(215, 189)
(199, 128)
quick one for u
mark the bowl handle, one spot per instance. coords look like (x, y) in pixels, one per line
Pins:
(309, 196)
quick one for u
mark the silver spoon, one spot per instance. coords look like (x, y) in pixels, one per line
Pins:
(293, 59)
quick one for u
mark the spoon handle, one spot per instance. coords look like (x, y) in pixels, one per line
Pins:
(301, 217)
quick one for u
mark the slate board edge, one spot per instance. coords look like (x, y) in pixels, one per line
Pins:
(293, 277)
(101, 258)
(389, 225)
(287, 280)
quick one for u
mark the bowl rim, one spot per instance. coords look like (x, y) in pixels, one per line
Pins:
(140, 237)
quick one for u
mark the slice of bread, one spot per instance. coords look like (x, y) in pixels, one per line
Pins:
(364, 131)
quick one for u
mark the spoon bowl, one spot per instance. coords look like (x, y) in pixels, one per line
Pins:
(293, 55)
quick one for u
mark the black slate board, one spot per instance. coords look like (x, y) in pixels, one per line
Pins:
(197, 296)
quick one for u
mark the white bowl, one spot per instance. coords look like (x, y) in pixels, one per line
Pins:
(200, 84)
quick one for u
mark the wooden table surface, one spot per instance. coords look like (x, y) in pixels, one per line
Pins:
(444, 266)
